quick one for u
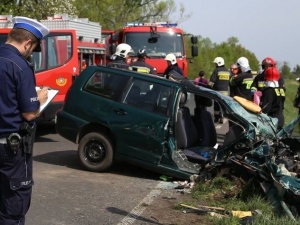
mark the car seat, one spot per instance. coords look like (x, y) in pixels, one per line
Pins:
(204, 123)
(187, 134)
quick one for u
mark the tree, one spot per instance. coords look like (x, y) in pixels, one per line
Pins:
(296, 70)
(230, 50)
(285, 70)
(114, 14)
(38, 9)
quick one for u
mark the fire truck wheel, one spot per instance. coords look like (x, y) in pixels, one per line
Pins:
(95, 152)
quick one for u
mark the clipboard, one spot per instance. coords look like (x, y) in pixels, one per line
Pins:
(51, 94)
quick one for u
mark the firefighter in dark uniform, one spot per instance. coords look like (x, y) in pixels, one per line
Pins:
(272, 97)
(140, 64)
(219, 81)
(296, 102)
(19, 103)
(120, 57)
(172, 66)
(243, 80)
(259, 81)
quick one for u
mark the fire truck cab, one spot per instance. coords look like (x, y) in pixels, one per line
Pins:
(71, 45)
(159, 39)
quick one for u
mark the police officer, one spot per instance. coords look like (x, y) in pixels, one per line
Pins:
(219, 81)
(140, 64)
(19, 103)
(120, 57)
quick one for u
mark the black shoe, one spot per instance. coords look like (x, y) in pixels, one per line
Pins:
(217, 119)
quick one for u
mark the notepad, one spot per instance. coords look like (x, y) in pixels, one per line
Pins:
(51, 94)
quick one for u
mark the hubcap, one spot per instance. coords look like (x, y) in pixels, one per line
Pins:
(94, 151)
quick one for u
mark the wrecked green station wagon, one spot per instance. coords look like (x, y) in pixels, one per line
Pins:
(166, 126)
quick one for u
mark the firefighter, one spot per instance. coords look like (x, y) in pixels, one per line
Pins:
(233, 72)
(243, 80)
(219, 81)
(20, 104)
(259, 80)
(172, 66)
(120, 57)
(140, 65)
(296, 102)
(272, 97)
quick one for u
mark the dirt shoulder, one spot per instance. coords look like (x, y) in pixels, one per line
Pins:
(164, 210)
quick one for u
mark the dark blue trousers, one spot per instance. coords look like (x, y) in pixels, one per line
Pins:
(15, 185)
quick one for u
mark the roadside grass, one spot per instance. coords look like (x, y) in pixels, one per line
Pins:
(290, 112)
(234, 195)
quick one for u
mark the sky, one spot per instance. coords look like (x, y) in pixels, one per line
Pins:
(268, 28)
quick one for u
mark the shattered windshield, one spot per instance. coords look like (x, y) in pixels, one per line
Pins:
(166, 43)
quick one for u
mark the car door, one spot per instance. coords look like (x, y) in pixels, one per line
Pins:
(140, 121)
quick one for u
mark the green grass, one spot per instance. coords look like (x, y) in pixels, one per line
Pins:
(229, 194)
(290, 112)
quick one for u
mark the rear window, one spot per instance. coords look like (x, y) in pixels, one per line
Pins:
(107, 85)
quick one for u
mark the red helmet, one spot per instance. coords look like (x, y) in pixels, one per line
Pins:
(272, 74)
(268, 62)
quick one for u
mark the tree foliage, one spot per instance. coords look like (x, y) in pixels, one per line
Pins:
(296, 70)
(285, 71)
(230, 50)
(38, 9)
(114, 14)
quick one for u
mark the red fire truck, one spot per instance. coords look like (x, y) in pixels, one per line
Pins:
(71, 45)
(159, 39)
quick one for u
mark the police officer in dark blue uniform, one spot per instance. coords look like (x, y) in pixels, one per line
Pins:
(19, 103)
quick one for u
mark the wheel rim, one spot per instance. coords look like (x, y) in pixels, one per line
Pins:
(94, 151)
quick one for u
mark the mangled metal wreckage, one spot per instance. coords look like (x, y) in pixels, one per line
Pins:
(254, 148)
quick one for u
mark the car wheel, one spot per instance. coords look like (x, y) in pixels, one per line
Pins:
(95, 152)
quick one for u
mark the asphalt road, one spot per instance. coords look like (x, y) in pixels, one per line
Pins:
(66, 194)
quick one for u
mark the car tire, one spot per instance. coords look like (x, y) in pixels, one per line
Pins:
(95, 152)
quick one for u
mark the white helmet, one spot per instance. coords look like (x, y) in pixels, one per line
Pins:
(219, 61)
(123, 50)
(172, 58)
(243, 63)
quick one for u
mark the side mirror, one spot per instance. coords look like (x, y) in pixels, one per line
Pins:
(194, 40)
(194, 50)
